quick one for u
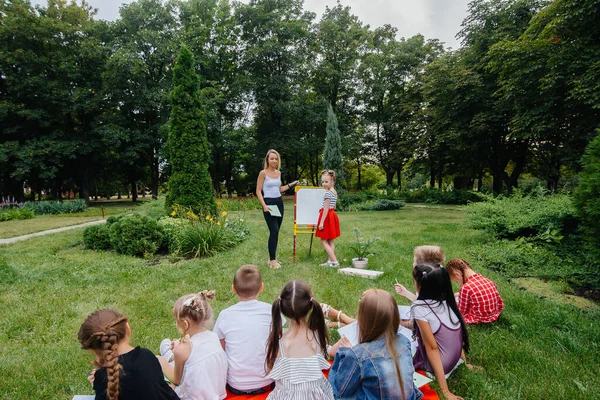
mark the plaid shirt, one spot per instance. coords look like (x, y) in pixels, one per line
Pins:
(479, 300)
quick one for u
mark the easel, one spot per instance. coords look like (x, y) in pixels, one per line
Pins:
(306, 212)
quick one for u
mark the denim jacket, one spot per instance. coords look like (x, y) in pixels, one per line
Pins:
(367, 371)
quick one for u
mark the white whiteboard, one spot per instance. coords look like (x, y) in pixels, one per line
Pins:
(308, 203)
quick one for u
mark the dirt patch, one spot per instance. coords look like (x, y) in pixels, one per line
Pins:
(591, 294)
(561, 292)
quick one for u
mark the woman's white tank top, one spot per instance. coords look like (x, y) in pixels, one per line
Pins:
(271, 187)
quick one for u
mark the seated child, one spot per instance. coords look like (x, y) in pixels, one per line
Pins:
(122, 371)
(478, 298)
(243, 330)
(439, 327)
(197, 364)
(432, 255)
(295, 359)
(380, 365)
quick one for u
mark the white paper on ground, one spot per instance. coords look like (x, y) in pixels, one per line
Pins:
(351, 333)
(274, 211)
(404, 312)
(83, 397)
(420, 380)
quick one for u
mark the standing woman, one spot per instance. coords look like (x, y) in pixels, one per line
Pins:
(268, 191)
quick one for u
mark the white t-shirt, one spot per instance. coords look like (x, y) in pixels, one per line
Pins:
(205, 371)
(423, 310)
(245, 328)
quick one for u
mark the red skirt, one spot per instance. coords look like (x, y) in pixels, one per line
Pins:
(331, 226)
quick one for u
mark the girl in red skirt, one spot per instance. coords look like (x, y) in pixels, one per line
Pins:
(329, 224)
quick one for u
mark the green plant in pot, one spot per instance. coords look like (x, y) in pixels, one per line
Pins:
(361, 250)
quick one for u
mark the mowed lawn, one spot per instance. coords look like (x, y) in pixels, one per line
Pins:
(41, 223)
(539, 349)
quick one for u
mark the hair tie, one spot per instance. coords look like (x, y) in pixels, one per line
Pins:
(188, 304)
(311, 299)
(279, 297)
(424, 273)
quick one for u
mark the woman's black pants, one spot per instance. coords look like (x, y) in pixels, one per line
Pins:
(274, 223)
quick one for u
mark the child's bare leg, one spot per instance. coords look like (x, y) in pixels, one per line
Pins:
(328, 250)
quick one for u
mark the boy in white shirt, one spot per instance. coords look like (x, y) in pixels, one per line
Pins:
(243, 330)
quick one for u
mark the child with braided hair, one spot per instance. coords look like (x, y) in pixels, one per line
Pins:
(197, 363)
(122, 371)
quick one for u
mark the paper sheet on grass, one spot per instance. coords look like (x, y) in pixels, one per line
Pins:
(83, 397)
(274, 211)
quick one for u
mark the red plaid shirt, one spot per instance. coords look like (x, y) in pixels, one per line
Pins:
(479, 300)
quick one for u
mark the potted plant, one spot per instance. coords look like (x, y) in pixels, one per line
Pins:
(361, 249)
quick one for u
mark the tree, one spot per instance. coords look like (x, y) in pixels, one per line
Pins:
(190, 184)
(587, 193)
(137, 85)
(332, 155)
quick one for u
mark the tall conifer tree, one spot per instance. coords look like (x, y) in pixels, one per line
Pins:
(190, 183)
(332, 156)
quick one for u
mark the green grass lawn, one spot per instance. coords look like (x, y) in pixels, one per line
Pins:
(40, 223)
(540, 348)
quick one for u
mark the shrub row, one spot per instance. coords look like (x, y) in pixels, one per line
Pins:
(436, 196)
(524, 216)
(141, 235)
(365, 198)
(57, 207)
(7, 214)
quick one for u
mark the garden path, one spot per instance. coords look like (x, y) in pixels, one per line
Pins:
(48, 232)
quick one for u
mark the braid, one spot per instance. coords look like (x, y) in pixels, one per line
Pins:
(110, 342)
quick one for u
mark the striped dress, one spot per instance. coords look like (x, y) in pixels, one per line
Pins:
(300, 378)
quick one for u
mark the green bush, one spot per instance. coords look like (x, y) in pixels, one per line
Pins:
(524, 259)
(587, 193)
(436, 196)
(203, 240)
(135, 235)
(170, 228)
(57, 207)
(346, 201)
(382, 205)
(18, 213)
(517, 216)
(97, 237)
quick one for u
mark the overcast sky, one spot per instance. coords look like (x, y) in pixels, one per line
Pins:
(434, 19)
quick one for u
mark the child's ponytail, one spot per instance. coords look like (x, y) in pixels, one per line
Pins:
(296, 303)
(194, 308)
(274, 335)
(103, 331)
(316, 323)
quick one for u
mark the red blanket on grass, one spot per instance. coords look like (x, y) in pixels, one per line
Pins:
(428, 392)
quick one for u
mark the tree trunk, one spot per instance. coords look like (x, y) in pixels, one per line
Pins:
(359, 184)
(389, 178)
(399, 178)
(480, 181)
(431, 176)
(134, 193)
(154, 175)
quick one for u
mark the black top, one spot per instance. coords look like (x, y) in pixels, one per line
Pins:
(141, 377)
